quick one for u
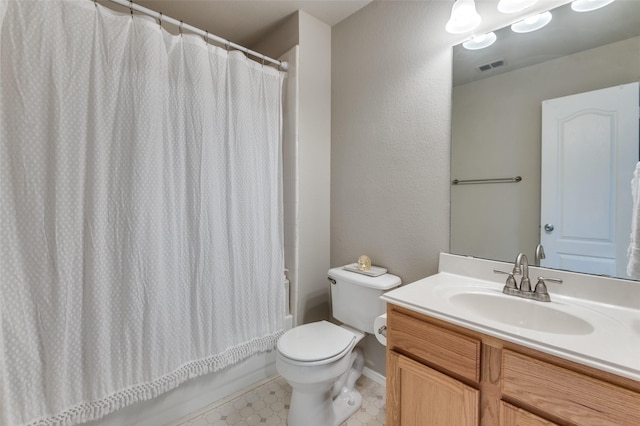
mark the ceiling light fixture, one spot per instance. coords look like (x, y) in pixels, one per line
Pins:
(589, 5)
(513, 6)
(464, 17)
(480, 41)
(532, 23)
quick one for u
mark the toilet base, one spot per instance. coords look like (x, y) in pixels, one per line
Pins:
(347, 403)
(321, 410)
(328, 406)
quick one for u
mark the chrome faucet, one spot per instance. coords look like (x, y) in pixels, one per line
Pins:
(521, 267)
(539, 254)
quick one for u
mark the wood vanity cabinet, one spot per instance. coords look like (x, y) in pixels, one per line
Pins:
(442, 374)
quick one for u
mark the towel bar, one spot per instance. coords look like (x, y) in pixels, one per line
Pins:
(495, 180)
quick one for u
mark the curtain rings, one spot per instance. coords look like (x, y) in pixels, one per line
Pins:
(206, 37)
(180, 27)
(160, 19)
(227, 45)
(131, 8)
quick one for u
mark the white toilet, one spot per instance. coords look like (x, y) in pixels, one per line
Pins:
(318, 359)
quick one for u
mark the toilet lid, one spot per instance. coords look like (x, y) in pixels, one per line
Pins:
(315, 341)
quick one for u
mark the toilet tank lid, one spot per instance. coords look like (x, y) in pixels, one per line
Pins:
(382, 282)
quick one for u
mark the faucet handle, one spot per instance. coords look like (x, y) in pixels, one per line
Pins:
(511, 286)
(542, 280)
(511, 281)
(540, 293)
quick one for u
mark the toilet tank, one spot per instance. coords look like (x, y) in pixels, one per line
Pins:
(355, 298)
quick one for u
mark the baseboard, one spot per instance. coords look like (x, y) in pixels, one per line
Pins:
(375, 376)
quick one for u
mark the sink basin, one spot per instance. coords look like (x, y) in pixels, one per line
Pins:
(523, 313)
(600, 330)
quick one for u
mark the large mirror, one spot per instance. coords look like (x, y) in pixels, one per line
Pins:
(498, 95)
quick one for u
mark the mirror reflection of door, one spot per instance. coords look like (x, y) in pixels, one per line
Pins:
(589, 153)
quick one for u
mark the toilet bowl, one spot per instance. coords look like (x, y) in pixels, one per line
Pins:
(319, 359)
(320, 363)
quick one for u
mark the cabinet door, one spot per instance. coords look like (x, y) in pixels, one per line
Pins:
(420, 396)
(514, 416)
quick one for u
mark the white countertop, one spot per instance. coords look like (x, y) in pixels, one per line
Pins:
(612, 343)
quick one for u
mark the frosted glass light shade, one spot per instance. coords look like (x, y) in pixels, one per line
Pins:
(464, 17)
(589, 5)
(513, 6)
(532, 23)
(480, 41)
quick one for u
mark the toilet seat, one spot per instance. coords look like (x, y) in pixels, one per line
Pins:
(315, 342)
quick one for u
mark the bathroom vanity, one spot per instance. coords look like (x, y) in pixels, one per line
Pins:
(460, 352)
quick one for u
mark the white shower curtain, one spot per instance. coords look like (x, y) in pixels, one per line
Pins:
(141, 218)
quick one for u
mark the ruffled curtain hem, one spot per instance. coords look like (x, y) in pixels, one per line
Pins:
(95, 410)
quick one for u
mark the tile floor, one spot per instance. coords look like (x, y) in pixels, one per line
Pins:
(267, 403)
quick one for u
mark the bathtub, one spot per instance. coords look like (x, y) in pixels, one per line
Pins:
(198, 393)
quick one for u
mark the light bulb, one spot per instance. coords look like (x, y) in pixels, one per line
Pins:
(480, 41)
(532, 23)
(464, 17)
(589, 5)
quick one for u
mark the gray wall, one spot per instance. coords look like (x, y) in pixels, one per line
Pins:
(314, 156)
(390, 131)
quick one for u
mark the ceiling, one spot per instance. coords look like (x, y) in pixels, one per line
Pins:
(245, 21)
(568, 32)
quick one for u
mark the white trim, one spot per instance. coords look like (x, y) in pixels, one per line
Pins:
(375, 376)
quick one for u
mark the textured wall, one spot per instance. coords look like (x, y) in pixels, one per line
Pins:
(390, 112)
(314, 148)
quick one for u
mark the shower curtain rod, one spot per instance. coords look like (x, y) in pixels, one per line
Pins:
(229, 44)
